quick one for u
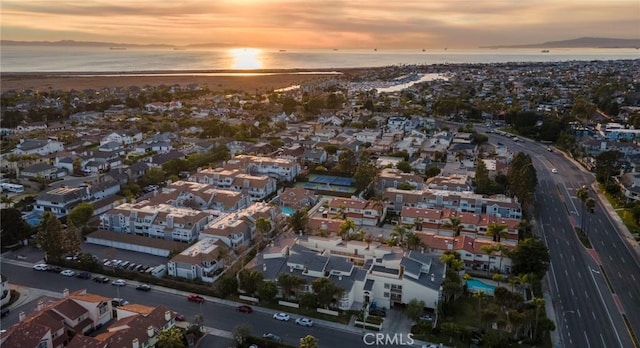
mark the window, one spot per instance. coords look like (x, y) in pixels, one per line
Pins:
(387, 285)
(386, 295)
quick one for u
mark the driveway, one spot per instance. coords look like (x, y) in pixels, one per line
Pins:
(396, 321)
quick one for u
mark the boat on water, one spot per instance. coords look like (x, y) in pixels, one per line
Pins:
(282, 50)
(545, 51)
(118, 48)
(423, 50)
(179, 48)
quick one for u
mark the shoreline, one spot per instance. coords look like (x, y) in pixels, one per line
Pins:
(216, 80)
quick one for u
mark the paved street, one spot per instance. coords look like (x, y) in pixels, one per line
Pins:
(588, 313)
(218, 314)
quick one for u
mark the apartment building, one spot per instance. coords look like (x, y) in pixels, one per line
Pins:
(199, 261)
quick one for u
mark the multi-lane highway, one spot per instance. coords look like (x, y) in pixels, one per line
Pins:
(215, 315)
(589, 311)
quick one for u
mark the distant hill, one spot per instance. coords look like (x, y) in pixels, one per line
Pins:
(583, 42)
(73, 43)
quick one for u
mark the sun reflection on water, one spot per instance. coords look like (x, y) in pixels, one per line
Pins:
(245, 58)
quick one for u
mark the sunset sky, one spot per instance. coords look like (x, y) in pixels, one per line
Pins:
(320, 23)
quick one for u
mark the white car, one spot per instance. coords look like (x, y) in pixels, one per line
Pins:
(554, 171)
(281, 316)
(68, 273)
(304, 322)
(40, 267)
(119, 282)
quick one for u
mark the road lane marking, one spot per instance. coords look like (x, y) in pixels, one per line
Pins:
(587, 339)
(615, 330)
(632, 277)
(622, 259)
(587, 295)
(593, 315)
(630, 294)
(573, 258)
(619, 274)
(572, 293)
(579, 275)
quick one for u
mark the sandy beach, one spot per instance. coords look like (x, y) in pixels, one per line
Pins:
(69, 81)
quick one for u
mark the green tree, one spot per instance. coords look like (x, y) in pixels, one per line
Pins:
(530, 256)
(607, 165)
(289, 105)
(263, 227)
(248, 280)
(364, 174)
(399, 231)
(267, 291)
(171, 338)
(404, 166)
(522, 179)
(483, 182)
(298, 220)
(325, 290)
(308, 300)
(309, 341)
(346, 161)
(77, 166)
(50, 237)
(80, 215)
(635, 213)
(154, 176)
(346, 227)
(241, 333)
(431, 171)
(289, 283)
(415, 308)
(455, 224)
(497, 231)
(227, 285)
(331, 149)
(413, 241)
(13, 228)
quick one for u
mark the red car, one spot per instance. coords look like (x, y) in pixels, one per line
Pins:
(179, 317)
(195, 298)
(244, 309)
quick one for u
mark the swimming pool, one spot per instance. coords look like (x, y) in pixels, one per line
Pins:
(287, 211)
(475, 285)
(32, 218)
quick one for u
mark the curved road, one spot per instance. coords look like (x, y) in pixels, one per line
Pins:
(589, 311)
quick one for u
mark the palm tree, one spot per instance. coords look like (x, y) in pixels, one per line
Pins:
(590, 203)
(346, 227)
(524, 229)
(413, 241)
(497, 231)
(263, 226)
(399, 232)
(488, 249)
(418, 223)
(368, 238)
(454, 224)
(341, 213)
(582, 194)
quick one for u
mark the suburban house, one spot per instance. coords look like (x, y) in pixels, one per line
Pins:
(238, 229)
(42, 170)
(361, 211)
(198, 261)
(281, 169)
(156, 221)
(297, 198)
(38, 147)
(368, 274)
(391, 177)
(121, 138)
(54, 323)
(629, 185)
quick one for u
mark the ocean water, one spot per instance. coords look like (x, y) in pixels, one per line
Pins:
(105, 59)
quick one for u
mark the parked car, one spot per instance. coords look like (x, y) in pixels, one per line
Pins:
(179, 317)
(117, 302)
(195, 298)
(54, 269)
(119, 282)
(100, 279)
(40, 267)
(68, 273)
(304, 322)
(281, 316)
(272, 337)
(244, 309)
(4, 313)
(426, 317)
(143, 287)
(84, 275)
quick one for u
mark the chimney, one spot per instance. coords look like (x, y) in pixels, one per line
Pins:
(340, 277)
(264, 267)
(433, 277)
(167, 315)
(65, 293)
(40, 305)
(135, 343)
(21, 316)
(150, 331)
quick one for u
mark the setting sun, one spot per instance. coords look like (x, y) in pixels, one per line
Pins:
(245, 58)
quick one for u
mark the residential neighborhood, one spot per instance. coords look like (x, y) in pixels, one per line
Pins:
(331, 198)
